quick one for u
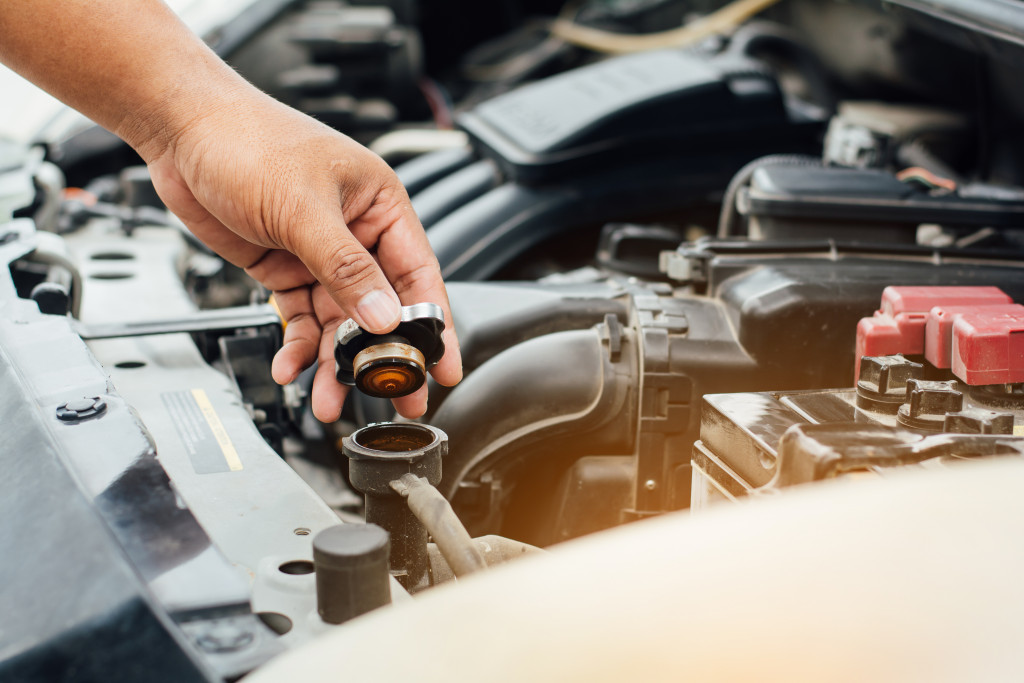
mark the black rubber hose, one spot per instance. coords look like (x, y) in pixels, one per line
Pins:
(423, 171)
(483, 236)
(521, 395)
(437, 517)
(493, 317)
(453, 191)
(475, 241)
(758, 37)
(727, 219)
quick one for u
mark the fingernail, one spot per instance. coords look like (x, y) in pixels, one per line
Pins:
(378, 311)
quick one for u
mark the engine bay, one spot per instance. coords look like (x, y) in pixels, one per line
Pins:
(700, 255)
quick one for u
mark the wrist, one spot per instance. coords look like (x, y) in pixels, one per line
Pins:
(180, 103)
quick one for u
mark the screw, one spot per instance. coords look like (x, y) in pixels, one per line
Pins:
(81, 408)
(650, 484)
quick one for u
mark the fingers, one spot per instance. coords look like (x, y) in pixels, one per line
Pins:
(305, 341)
(279, 270)
(409, 262)
(312, 317)
(448, 371)
(305, 309)
(413, 405)
(348, 274)
(328, 393)
(302, 335)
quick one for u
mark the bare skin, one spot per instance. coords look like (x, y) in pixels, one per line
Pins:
(312, 215)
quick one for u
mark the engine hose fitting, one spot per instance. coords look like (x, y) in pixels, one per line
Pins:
(380, 454)
(441, 522)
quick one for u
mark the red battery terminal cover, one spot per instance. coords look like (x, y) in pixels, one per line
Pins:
(988, 346)
(899, 324)
(938, 343)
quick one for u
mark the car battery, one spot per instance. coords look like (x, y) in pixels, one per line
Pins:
(959, 393)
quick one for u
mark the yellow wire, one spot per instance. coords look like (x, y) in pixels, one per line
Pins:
(720, 21)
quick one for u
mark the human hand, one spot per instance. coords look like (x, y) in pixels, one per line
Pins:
(312, 215)
(315, 217)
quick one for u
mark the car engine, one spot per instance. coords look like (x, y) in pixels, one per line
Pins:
(740, 297)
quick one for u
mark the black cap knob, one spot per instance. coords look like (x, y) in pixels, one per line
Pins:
(52, 298)
(352, 578)
(882, 385)
(394, 364)
(928, 402)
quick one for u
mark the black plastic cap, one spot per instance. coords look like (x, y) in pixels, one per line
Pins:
(882, 384)
(928, 402)
(352, 578)
(52, 298)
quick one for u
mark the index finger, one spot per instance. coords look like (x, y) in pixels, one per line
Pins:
(410, 266)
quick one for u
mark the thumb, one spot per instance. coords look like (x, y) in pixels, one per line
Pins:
(350, 276)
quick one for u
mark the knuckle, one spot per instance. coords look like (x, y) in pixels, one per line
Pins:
(347, 269)
(302, 319)
(279, 215)
(424, 273)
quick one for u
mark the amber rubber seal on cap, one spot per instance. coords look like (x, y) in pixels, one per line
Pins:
(389, 370)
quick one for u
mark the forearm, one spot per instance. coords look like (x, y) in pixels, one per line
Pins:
(132, 67)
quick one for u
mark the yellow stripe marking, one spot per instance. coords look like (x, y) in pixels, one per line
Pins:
(1018, 430)
(219, 433)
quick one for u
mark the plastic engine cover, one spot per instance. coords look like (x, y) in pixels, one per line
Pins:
(627, 105)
